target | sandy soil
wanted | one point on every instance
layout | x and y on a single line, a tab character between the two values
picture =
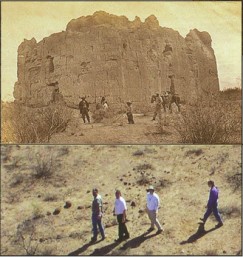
118	131
179	174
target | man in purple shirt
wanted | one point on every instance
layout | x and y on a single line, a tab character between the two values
212	205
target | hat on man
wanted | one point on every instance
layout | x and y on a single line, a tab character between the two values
150	188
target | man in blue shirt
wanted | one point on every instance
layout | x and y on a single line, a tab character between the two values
212	205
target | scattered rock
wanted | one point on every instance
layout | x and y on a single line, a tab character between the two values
121	179
133	204
57	211
80	207
59	237
48	213
140	211
138	153
39	196
41	240
224	251
88	191
68	204
125	183
106	194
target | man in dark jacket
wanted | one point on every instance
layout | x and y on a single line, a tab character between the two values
84	109
212	206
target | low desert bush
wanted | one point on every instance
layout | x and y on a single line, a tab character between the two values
235	181
50	197
22	124
42	165
212	122
211	252
230	211
26	237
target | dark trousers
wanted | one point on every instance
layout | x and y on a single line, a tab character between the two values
84	114
97	222
214	210
130	118
122	228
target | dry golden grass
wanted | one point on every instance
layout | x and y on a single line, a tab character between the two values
179	174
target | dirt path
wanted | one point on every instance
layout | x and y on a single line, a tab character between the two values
118	131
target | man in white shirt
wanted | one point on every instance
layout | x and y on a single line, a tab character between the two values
152	209
120	212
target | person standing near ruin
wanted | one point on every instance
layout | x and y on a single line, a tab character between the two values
152	209
97	216
129	113
212	205
84	109
120	210
158	106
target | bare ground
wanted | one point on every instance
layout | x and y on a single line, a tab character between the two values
179	174
118	131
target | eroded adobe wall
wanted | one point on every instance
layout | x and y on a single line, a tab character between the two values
107	55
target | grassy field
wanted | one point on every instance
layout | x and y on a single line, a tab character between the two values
37	180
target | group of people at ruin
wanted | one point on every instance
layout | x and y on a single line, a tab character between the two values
159	100
152	208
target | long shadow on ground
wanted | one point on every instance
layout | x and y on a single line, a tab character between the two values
200	233
104	250
137	241
82	249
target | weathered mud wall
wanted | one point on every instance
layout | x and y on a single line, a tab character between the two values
107	55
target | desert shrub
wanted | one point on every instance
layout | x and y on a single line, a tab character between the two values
50	197
26	237
145	166
196	152
22	124
17	180
213	122
211	252
235	181
143	179
230	211
42	165
100	114
37	211
138	153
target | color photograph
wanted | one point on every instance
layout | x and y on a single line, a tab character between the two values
121	200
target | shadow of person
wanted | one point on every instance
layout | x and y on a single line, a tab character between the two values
137	241
200	233
105	249
81	249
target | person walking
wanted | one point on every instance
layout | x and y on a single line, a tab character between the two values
84	109
212	205
120	211
158	106
97	215
152	209
129	113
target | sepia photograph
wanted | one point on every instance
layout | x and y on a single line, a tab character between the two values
121	72
121	200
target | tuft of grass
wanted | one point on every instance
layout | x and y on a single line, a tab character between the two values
211	252
230	211
50	197
196	152
138	153
17	180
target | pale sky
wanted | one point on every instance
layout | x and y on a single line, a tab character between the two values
222	20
